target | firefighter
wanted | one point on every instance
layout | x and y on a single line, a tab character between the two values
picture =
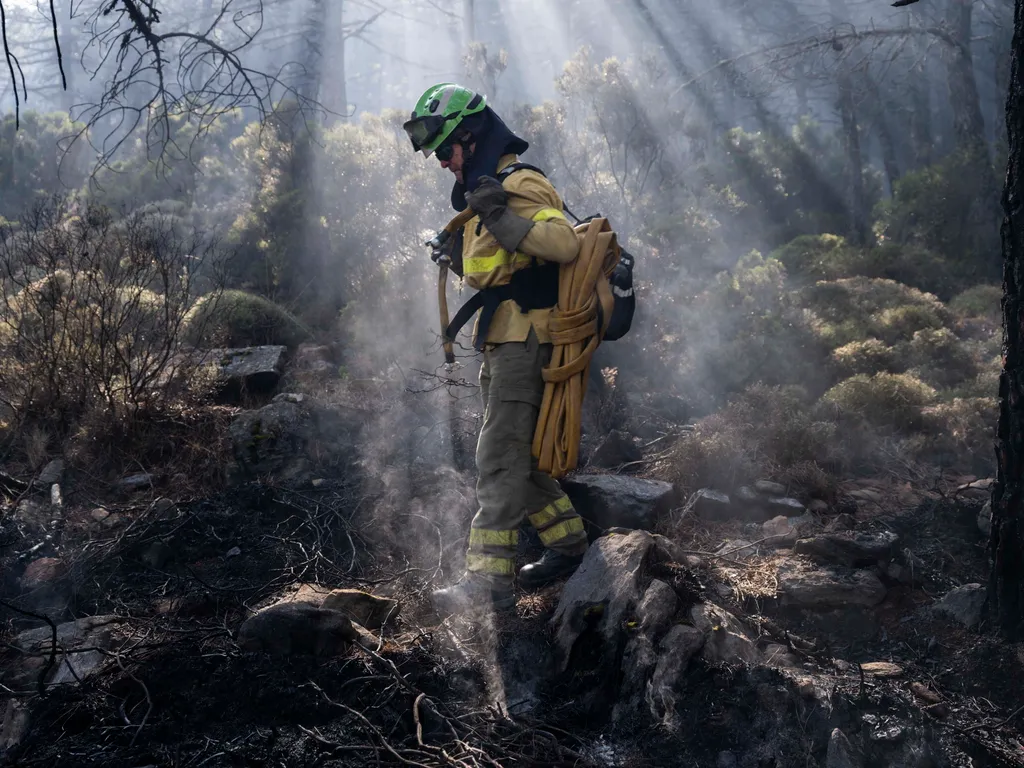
509	252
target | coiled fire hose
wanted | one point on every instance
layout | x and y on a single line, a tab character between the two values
584	296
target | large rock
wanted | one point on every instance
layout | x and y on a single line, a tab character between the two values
964	604
840	752
52	473
609	501
604	592
985	520
617	448
829	587
363	608
657	608
86	639
726	639
288	629
850	548
246	370
287	440
676	650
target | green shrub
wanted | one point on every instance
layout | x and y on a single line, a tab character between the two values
240	319
941	359
902	323
818	257
868	356
859	308
884	400
962	430
762	432
982	301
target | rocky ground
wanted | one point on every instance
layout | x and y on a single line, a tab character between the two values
284	621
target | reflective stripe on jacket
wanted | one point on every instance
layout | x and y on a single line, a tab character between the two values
486	264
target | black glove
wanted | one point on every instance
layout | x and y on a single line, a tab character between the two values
448	252
490	201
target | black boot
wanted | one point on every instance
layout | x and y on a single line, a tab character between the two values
470	594
551	567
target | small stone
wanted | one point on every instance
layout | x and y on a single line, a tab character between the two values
52	473
924	693
769	488
99	514
817	506
317	482
361	607
776	655
135	482
746	495
290	397
786	506
41	572
712	505
163	509
56	497
737	549
965	604
939	711
843	522
985	519
233	552
882	669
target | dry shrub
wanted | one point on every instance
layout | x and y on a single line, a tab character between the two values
239	319
859	308
883	400
963	430
940	359
91	313
764	432
982	301
868	356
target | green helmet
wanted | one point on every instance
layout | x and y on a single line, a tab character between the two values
438	113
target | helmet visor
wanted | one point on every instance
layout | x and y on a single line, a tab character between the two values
423	130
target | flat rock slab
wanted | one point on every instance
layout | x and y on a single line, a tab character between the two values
605	590
829	587
92	632
848	548
246	369
287	440
965	604
610	501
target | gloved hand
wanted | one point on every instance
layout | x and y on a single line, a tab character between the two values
490	201
449	252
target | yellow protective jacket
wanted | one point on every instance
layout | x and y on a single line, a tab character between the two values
485	264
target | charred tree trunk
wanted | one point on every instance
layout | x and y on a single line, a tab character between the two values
1007	587
857	225
468	22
